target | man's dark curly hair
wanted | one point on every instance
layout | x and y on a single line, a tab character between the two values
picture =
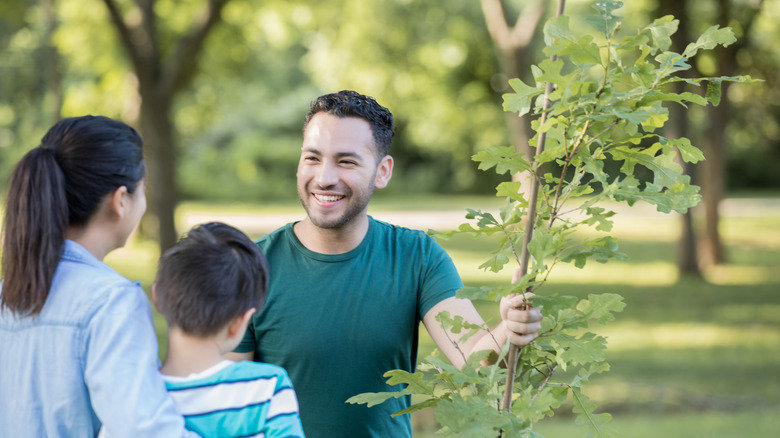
348	103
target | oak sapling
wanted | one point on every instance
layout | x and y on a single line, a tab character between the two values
597	97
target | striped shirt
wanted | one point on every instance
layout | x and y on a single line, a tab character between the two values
238	399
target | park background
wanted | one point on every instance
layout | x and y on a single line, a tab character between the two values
219	89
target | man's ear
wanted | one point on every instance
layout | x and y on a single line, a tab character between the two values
384	172
237	326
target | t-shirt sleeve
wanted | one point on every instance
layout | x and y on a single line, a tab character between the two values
283	416
440	277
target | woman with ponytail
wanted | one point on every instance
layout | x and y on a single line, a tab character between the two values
77	342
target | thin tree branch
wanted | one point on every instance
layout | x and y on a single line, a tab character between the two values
566	168
125	34
137	36
511	244
525	256
179	67
454	344
544	383
567	192
526	24
497	26
147	27
510	38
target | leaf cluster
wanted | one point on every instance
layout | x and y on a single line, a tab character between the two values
467	400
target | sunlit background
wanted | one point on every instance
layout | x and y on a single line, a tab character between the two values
691	355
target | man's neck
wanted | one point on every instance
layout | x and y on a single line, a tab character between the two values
331	240
189	354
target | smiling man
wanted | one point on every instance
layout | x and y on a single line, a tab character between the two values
347	292
337	173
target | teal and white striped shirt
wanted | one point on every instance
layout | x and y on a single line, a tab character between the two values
238	399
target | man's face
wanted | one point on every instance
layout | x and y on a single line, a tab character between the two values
338	170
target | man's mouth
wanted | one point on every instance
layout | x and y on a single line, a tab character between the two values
328	198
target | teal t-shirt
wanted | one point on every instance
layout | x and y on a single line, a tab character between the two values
337	323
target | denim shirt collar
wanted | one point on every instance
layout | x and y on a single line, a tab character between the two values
75	252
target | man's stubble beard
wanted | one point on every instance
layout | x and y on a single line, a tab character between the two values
354	209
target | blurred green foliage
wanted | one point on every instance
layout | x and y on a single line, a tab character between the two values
432	64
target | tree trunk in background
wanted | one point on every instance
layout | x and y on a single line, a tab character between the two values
714	141
714	148
160	78
687	255
714	177
677	127
157	129
513	48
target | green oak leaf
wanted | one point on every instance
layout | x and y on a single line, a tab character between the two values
688	152
584	410
520	101
662	30
714	91
606	22
711	38
601	307
504	158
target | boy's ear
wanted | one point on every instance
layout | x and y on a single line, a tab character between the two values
237	327
154	297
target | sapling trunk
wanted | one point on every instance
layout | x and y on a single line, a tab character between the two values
525	254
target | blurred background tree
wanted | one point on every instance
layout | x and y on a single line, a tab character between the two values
163	42
233	89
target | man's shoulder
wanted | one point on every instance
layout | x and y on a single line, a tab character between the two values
397	231
402	236
278	234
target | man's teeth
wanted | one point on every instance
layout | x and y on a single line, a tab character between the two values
328	198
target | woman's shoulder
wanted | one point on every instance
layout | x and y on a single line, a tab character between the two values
83	286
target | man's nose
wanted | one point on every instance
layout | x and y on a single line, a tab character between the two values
327	175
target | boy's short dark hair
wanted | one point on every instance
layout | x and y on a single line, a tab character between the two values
348	103
212	275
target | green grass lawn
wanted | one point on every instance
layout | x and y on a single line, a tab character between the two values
689	357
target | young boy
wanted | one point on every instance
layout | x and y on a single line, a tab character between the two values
208	287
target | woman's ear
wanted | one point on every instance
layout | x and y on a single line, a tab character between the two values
384	172
118	201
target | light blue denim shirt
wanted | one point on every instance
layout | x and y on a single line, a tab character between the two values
89	357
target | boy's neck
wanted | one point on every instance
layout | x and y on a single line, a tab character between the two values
189	354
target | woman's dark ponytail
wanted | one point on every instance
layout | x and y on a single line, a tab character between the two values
59	184
36	217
